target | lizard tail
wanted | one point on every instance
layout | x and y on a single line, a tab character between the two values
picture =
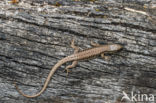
27	95
46	82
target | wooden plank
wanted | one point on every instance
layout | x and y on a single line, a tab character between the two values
35	34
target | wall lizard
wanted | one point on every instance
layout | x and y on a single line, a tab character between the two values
91	52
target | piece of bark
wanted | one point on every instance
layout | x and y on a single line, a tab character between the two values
34	35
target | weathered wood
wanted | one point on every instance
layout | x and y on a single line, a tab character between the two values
34	35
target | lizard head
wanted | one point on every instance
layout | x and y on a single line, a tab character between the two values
115	47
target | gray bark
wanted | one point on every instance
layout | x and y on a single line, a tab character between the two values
34	35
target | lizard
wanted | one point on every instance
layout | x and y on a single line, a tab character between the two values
77	56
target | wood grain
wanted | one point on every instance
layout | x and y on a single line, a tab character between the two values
35	34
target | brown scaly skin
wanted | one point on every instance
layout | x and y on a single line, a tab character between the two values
82	55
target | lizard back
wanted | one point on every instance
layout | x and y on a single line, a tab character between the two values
85	54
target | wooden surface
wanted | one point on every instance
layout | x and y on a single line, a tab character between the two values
34	35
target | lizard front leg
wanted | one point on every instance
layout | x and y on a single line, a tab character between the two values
105	57
74	63
94	44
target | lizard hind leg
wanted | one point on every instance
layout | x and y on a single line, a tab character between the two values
76	49
74	63
71	66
